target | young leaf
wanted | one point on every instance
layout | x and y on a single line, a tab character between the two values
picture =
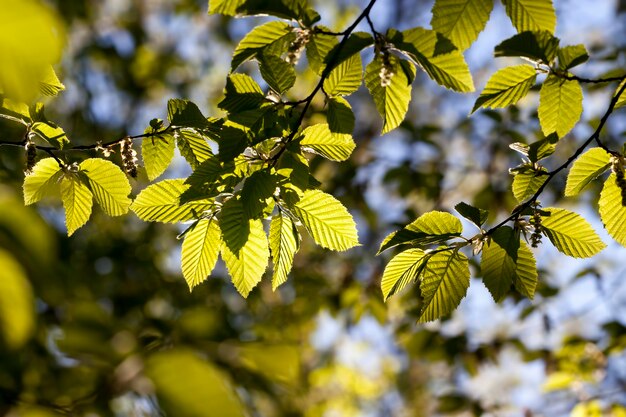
525	279
49	84
612	212
208	172
285	9
476	215
277	73
275	32
444	65
334	146
77	201
340	116
200	250
327	220
461	20
160	202
318	48
445	281
257	190
108	184
357	41
525	184
430	228
247	265
402	269
157	153
284	243
241	93
193	147
570	233
52	133
184	113
234	224
585	169
392	99
560	105
537	46
531	14
571	56
346	78
506	86
42	181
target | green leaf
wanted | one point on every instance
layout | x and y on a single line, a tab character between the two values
570	233
200	250
232	142
526	184
402	269
585	169
241	93
430	228
287	9
357	41
208	172
261	37
571	56
536	46
461	20
476	215
526	278
612	211
295	167
621	101
184	113
108	185
17	304
542	148
531	14
445	281
284	243
157	153
160	202
42	181
234	224
432	52
317	50
77	201
340	116
506	86
247	265
560	105
257	193
346	78
193	147
49	84
327	220
334	146
52	133
392	100
277	73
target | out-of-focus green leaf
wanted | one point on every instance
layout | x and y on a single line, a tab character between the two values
17	304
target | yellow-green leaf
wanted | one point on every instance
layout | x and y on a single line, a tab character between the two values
157	153
259	38
570	233
571	56
445	281
193	147
585	169
160	202
284	243
560	105
277	73
108	185
52	133
334	146
340	116
200	250
506	86
612	211
346	78
461	20
531	14
402	269
526	278
621	101
17	304
327	220
526	184
247	265
42	181
77	201
49	84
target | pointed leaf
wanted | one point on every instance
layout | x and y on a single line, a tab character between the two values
77	201
357	41
259	38
157	153
42	181
621	101
278	74
346	78
160	202
461	20
612	210
445	281
340	116
49	84
571	56
430	228
234	225
247	265
184	113
256	191
499	261
334	146
284	243
560	105
526	278
585	169
526	184
401	270
200	250
241	93
531	14
476	215
570	233
286	9
108	185
193	147
392	99
506	86
317	50
537	46
52	133
327	220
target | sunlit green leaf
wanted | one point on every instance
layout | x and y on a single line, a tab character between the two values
241	93
476	215
401	270
184	113
531	14
277	73
585	169
560	105
160	202
526	277
52	133
200	250
257	190
77	202
108	184
346	78
193	147
334	146
284	240
506	86
259	38
42	181
49	84
317	50
340	116
461	20
621	101
537	46
571	56
157	153
286	9
570	233
357	41
234	224
612	210
526	184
